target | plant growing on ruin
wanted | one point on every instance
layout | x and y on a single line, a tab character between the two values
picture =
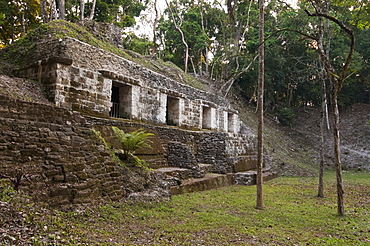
132	141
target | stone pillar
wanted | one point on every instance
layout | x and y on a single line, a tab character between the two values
107	91
181	110
135	98
223	121
162	108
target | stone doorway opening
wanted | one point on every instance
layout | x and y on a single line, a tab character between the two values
230	122
173	111
121	101
207	117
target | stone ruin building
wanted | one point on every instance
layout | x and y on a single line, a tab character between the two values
199	140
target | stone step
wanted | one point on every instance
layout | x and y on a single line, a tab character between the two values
177	172
250	177
156	163
207	168
208	182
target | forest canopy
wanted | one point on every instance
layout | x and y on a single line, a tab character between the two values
219	40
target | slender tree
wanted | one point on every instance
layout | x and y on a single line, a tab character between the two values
82	10
178	28
336	85
261	74
44	12
155	24
92	12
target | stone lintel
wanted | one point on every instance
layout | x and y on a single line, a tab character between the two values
119	77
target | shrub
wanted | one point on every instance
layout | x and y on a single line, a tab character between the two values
286	116
132	141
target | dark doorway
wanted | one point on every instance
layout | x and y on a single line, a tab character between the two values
114	112
173	111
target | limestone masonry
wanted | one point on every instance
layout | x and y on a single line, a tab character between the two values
85	78
92	89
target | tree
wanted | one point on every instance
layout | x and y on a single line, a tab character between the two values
261	74
16	18
336	81
178	23
62	10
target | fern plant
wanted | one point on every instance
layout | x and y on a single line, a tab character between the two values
132	141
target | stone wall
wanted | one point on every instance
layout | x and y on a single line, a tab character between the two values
227	152
62	160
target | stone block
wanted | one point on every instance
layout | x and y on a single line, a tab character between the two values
73	167
71	178
245	163
60	191
81	175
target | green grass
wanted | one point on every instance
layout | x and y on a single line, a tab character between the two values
293	216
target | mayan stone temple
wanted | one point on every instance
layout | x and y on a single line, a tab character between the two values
199	141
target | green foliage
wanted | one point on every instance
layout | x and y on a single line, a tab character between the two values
140	45
99	135
286	116
17	18
137	162
132	141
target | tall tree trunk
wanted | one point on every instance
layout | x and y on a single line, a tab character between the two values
261	74
62	9
337	160
82	10
154	47
92	12
320	43
44	12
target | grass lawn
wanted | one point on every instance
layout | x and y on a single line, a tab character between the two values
227	216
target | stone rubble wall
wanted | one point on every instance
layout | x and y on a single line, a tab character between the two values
58	153
179	155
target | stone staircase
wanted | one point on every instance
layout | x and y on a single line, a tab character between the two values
187	184
178	162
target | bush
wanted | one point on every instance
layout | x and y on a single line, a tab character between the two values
132	141
286	116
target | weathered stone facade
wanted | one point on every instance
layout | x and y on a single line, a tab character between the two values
82	77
